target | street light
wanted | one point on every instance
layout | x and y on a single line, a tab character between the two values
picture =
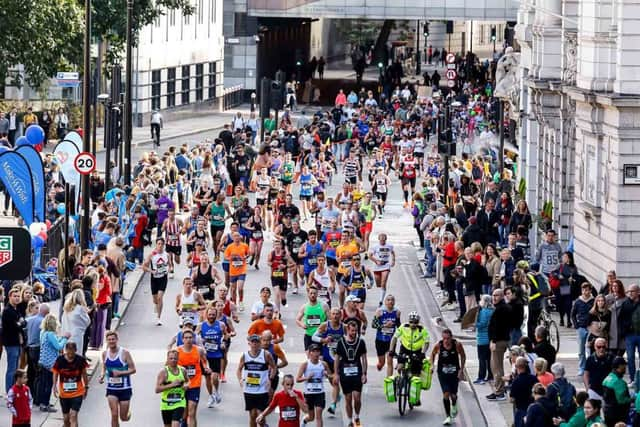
105	100
128	117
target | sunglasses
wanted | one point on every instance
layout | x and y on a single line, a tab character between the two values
601	346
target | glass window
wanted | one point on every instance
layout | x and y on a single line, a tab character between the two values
199	81
185	84
155	89
240	24
212	80
171	87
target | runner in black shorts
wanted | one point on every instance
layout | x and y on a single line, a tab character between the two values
350	364
451	360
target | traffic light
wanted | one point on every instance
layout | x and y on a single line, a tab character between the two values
426	29
493	34
277	95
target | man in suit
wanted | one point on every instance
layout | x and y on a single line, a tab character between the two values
488	221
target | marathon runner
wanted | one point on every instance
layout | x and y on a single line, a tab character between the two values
192	358
289	402
172	228
117	368
255	370
237	253
383	257
213	333
323	279
189	303
328	334
386	320
350	366
312	372
451	360
172	383
157	264
70	382
311	315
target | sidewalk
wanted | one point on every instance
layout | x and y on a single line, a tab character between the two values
500	413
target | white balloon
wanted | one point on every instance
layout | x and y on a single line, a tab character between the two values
36	227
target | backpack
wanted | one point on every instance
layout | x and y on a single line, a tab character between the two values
566	403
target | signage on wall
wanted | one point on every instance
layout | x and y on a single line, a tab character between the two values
631	175
15	253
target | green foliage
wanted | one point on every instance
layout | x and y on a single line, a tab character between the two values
42	35
110	21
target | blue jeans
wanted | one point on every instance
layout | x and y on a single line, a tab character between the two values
428	256
515	334
632	343
13	357
503	232
518	417
582	334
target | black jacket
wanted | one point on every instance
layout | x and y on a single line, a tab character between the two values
541	413
500	323
626	314
471	234
488	224
475	275
545	350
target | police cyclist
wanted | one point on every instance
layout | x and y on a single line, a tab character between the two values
414	342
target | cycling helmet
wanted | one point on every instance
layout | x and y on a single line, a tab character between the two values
414	316
522	264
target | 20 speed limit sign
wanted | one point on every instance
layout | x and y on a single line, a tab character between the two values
85	163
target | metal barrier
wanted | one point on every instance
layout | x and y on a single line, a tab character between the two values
55	242
232	97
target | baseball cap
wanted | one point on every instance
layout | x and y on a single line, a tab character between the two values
315	347
352	298
253	337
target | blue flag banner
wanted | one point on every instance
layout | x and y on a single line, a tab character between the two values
64	154
37	174
16	177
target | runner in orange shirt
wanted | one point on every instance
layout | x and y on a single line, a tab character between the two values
268	323
344	252
192	358
237	253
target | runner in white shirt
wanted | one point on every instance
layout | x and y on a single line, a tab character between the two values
383	257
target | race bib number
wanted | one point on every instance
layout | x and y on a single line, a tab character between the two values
387	331
242	168
449	369
70	386
253	380
191	371
350	371
115	381
289	414
315	385
278	273
211	346
313	320
174	397
312	261
345	264
357	285
237	263
257	234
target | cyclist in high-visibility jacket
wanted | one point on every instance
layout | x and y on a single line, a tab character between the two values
414	343
538	290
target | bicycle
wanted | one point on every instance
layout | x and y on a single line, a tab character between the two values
402	383
550	325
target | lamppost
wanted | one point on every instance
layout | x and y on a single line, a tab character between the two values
86	124
109	122
418	56
128	117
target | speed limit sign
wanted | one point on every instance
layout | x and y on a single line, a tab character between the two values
85	163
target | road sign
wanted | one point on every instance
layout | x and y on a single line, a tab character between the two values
451	66
451	83
85	163
451	74
68	79
451	58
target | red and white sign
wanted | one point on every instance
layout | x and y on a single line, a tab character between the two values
451	58
85	163
451	74
451	83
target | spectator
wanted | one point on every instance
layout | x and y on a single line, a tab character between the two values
599	321
51	346
62	123
606	288
33	344
549	253
12	324
472	233
543	347
499	329
562	392
492	264
75	319
507	267
20	400
103	301
542	411
565	274
538	291
616	394
474	275
615	300
482	340
489	221
520	392
513	297
580	318
630	315
578	419
597	368
521	217
542	373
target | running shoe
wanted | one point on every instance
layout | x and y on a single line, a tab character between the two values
223	378
158	322
218	397
357	422
332	408
454	410
241	307
295	291
479	381
447	421
211	401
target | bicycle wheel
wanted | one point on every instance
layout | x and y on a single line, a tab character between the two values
403	394
554	335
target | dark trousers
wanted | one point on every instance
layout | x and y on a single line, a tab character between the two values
461	302
12	137
449	284
33	355
532	321
45	384
484	362
155	133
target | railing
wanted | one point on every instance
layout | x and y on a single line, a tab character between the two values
232	97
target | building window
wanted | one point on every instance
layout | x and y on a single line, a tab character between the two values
481	34
212	80
240	25
171	87
199	81
591	174
185	84
155	89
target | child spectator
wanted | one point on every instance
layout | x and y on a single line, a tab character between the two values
19	400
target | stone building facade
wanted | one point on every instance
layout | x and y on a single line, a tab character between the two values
580	126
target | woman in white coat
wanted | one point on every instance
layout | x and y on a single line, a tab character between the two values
75	319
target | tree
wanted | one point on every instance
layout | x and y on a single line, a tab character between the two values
42	35
110	20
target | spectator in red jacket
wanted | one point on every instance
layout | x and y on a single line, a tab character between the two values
449	258
137	244
19	400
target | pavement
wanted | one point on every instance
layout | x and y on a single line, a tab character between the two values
500	413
